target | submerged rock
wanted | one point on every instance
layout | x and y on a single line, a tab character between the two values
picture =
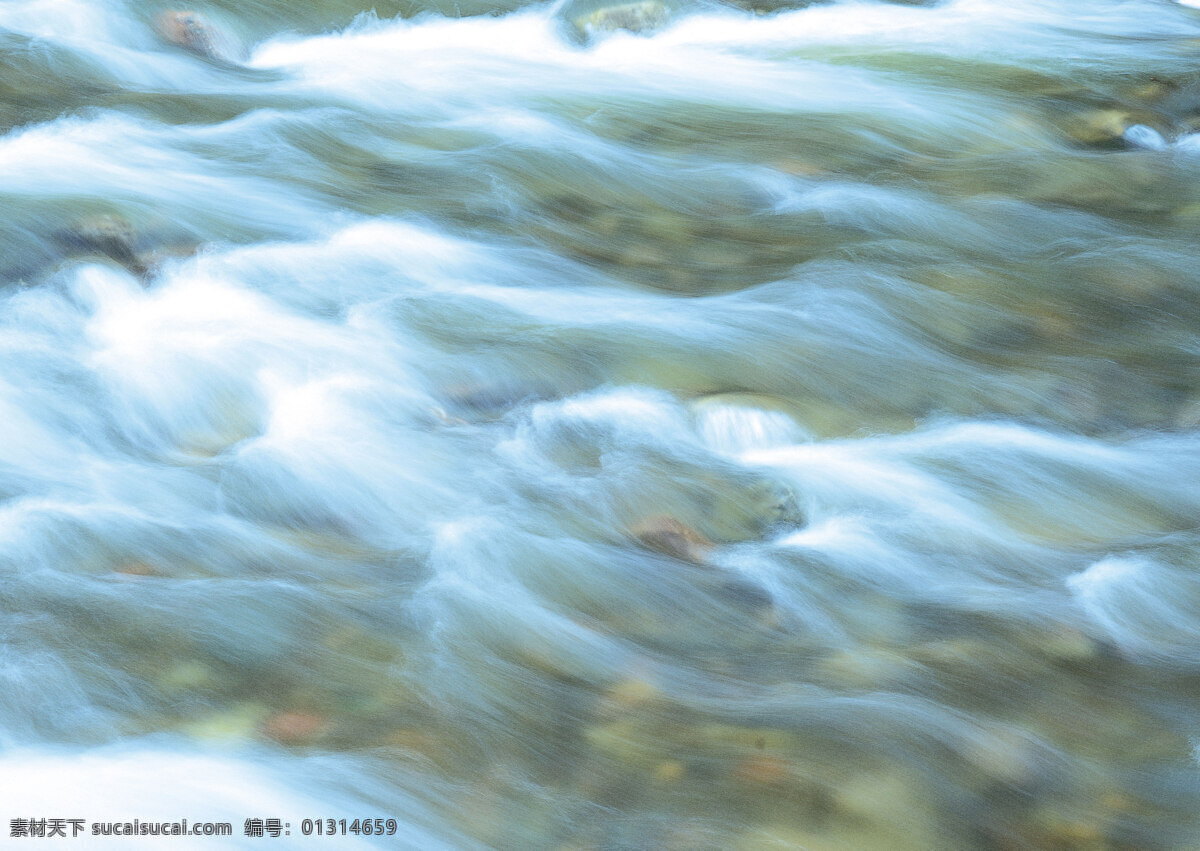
767	7
115	237
294	728
1152	89
108	235
1187	416
670	771
187	677
1099	126
865	668
1065	645
1112	127
481	401
632	692
234	724
626	743
668	536
762	770
136	568
875	807
748	597
1048	827
1005	755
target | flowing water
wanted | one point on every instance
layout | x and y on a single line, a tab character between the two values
677	426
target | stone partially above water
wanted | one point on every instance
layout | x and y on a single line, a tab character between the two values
586	19
634	17
191	31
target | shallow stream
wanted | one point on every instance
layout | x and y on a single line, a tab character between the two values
671	426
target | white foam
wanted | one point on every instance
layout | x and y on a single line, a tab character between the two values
1145	137
852	477
113	157
66	20
1189	144
630	414
1143	606
151	783
438	66
734	429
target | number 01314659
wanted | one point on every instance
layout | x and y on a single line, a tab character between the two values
341	827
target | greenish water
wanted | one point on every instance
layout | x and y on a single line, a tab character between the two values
772	428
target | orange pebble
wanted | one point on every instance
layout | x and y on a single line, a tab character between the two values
293	728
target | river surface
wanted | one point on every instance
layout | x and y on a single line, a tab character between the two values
678	426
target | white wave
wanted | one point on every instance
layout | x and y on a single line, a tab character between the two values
733	428
1146	608
151	782
482	62
145	165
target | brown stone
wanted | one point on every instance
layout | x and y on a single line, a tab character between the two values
293	728
668	536
190	31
